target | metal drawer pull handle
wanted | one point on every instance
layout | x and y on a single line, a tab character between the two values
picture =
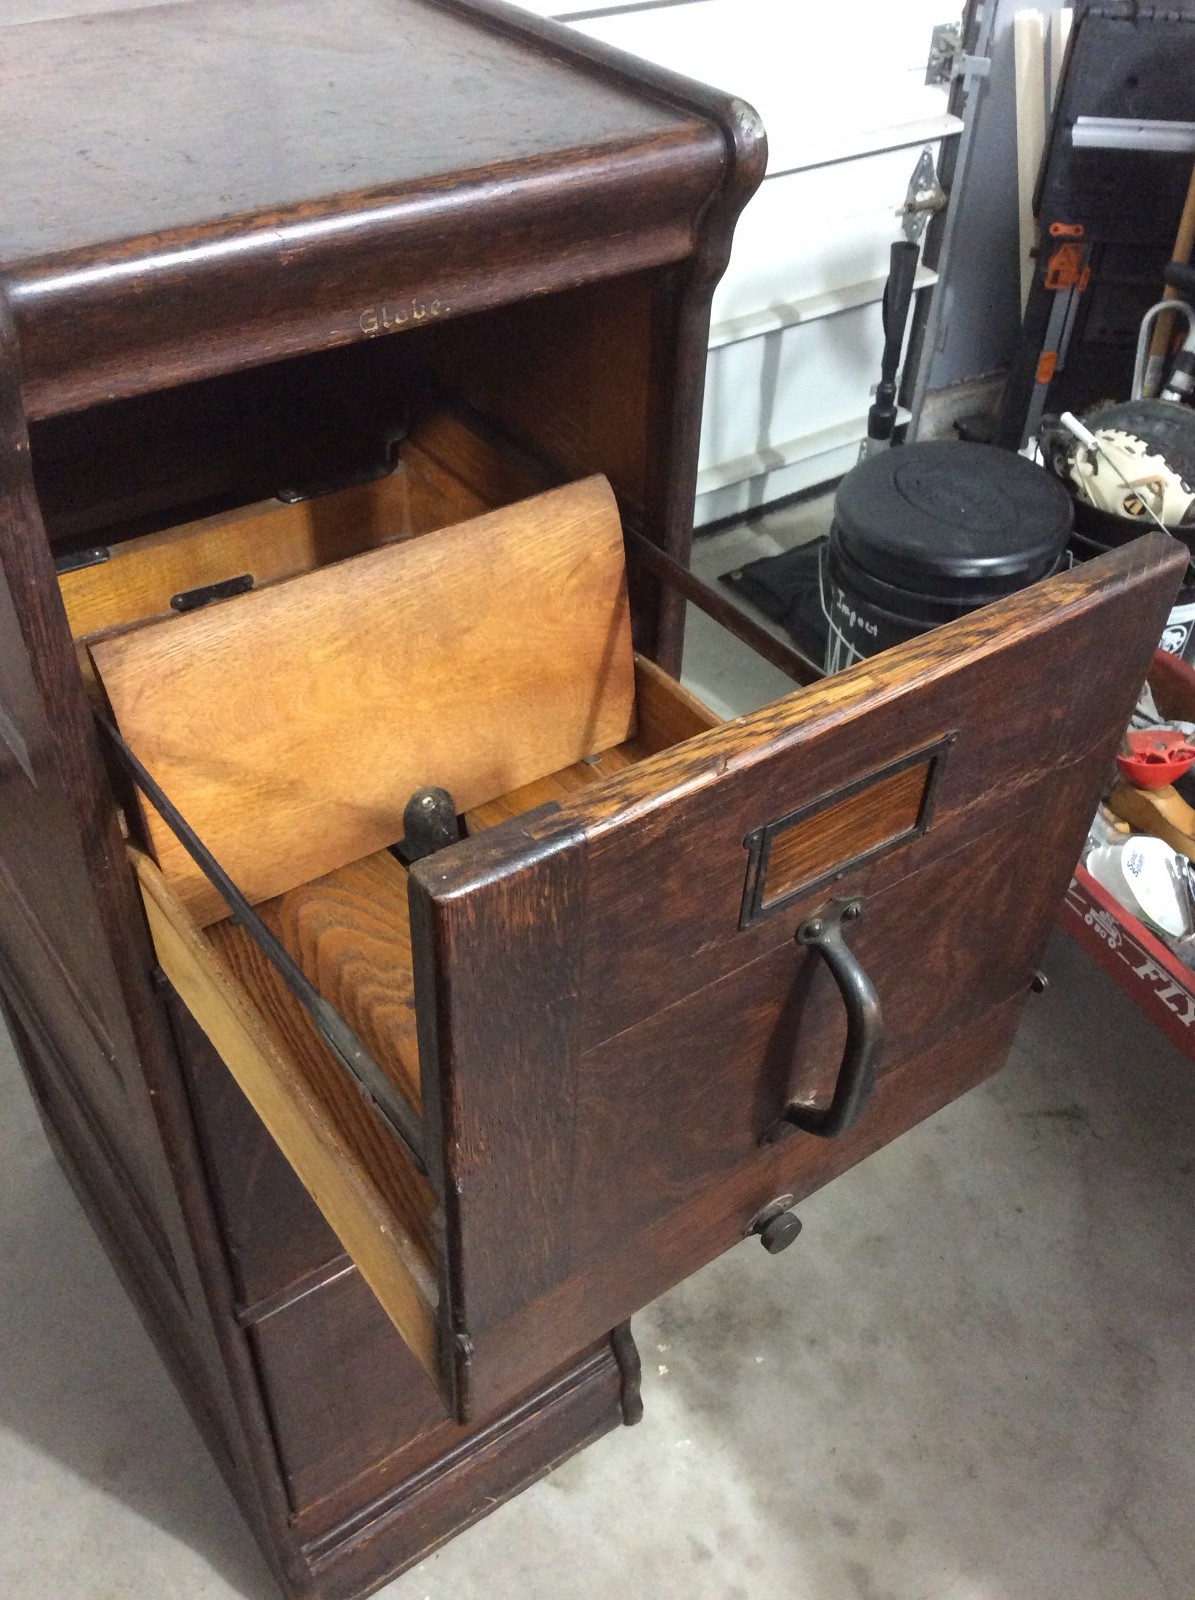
864	1024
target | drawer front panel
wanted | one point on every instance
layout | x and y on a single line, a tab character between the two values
579	1103
344	1392
357	1424
670	874
716	1069
713	1217
274	1232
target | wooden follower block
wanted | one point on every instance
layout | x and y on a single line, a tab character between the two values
291	725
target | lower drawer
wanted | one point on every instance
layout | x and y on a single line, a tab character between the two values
354	1419
361	1432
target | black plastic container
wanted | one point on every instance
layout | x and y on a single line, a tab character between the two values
927	533
1098	531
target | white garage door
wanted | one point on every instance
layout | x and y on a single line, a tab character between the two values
796	337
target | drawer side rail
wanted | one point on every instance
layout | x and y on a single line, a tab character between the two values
372	1083
794	663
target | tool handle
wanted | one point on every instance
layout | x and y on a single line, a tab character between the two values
1179	278
898	297
1184	243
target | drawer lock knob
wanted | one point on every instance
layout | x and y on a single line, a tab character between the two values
776	1225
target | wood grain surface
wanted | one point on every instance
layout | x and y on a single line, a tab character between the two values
350	929
678	1035
668	713
350	932
464	213
290	726
399	141
368	1192
268	542
322	122
713	1217
446	473
806	850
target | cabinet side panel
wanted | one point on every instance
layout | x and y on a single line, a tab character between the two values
75	968
53	813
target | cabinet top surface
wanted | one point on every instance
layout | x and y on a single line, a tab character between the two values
133	124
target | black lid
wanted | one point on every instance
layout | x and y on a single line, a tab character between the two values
952	518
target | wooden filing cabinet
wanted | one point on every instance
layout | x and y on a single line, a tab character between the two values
369	290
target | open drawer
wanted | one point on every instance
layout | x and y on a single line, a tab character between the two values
675	975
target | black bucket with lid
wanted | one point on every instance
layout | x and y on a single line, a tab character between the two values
927	533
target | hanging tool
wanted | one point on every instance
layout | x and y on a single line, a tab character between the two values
1184	243
1068	272
1179	384
924	197
898	297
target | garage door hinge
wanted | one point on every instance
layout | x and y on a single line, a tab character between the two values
947	58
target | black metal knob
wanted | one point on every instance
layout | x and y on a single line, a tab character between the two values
778	1234
430	823
776	1225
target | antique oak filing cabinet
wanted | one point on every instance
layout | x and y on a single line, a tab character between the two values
347	280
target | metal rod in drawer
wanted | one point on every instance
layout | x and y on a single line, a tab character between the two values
787	658
373	1084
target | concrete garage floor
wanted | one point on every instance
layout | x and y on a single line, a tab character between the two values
972	1378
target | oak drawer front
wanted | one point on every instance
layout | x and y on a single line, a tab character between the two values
697	1091
604	1033
715	1216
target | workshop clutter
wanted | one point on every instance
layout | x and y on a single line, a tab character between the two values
1141	847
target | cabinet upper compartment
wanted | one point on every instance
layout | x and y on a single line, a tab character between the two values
194	188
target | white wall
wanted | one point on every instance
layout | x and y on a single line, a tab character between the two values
797	336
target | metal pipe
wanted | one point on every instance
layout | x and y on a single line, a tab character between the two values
1133	133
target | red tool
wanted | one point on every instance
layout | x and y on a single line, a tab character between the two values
1156	757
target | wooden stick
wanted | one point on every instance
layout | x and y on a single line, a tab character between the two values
1030	62
1159	345
1060	32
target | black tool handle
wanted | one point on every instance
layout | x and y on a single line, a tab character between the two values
1178	275
898	297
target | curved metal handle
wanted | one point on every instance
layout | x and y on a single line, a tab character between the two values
864	1024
